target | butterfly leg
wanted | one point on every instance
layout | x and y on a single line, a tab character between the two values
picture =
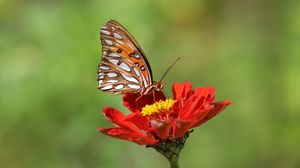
138	97
153	95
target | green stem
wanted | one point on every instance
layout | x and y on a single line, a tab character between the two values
174	161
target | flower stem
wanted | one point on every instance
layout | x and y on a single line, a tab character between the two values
174	161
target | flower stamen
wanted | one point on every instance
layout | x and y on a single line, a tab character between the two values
158	107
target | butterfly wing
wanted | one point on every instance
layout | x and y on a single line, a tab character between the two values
124	67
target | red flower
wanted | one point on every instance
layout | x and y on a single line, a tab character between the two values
157	119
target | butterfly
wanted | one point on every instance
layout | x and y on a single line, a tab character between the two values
124	67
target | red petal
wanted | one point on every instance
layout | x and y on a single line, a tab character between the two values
120	133
207	92
129	135
118	119
196	102
217	107
189	106
146	140
135	102
139	121
183	125
182	91
162	128
113	115
199	114
181	128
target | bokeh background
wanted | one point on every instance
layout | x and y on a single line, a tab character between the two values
50	107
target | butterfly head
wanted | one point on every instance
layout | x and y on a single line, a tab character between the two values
158	86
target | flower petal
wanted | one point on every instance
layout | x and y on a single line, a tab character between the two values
207	92
181	128
217	107
183	125
120	133
189	106
196	102
146	140
113	115
129	135
116	117
135	102
199	114
138	120
162	128
182	91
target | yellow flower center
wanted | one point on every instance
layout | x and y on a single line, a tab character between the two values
158	107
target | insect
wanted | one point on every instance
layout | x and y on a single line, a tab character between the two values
124	67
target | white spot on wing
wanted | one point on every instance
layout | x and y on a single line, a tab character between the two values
124	66
145	81
105	32
121	42
112	81
112	74
113	55
108	42
103	67
107	87
129	78
118	36
120	86
114	61
134	86
137	56
137	72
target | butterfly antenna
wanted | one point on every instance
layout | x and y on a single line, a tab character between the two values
169	68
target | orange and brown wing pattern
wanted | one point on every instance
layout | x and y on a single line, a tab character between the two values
124	67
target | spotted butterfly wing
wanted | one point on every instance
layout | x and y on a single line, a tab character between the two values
124	67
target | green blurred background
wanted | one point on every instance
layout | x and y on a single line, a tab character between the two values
50	107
